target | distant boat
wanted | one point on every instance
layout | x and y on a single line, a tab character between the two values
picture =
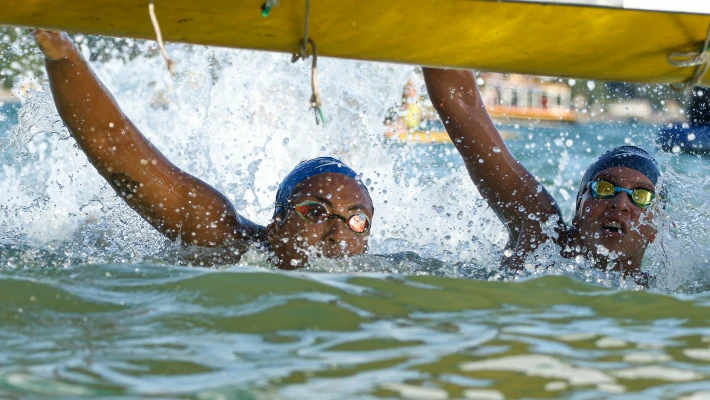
507	97
7	97
433	131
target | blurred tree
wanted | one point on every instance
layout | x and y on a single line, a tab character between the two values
20	58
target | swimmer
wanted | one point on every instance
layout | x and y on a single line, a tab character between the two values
321	207
615	205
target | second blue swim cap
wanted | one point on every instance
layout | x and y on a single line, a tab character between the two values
307	169
624	156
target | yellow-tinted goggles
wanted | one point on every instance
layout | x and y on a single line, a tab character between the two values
603	190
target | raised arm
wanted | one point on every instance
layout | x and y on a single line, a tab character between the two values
174	202
508	187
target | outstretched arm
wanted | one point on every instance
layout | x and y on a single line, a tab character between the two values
174	202
508	187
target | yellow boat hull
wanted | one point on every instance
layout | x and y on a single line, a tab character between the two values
553	40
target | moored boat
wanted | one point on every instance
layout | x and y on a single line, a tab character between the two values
505	36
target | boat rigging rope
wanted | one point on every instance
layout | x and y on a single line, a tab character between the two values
303	54
699	59
169	62
315	96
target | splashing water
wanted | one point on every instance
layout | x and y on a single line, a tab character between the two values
240	121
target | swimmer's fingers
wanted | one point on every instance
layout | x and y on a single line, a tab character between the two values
55	45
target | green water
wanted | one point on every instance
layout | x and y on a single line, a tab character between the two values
118	330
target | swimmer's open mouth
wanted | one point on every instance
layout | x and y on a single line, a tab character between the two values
613	227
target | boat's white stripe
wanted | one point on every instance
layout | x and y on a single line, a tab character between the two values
683	6
692	6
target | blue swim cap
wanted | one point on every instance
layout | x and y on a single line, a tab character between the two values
624	156
307	169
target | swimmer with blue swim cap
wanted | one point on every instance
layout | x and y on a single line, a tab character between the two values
321	205
615	205
322	208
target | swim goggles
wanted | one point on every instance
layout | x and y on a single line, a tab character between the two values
601	189
316	212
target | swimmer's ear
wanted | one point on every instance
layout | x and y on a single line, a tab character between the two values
652	237
577	217
578	205
653	224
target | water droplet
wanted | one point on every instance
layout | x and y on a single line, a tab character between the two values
285	142
496	149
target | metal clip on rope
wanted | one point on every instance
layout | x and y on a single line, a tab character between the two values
303	54
315	96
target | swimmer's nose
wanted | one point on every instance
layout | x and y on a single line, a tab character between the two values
620	202
335	230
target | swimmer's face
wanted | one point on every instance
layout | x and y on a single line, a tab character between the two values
616	223
410	91
293	239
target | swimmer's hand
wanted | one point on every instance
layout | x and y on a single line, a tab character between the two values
55	45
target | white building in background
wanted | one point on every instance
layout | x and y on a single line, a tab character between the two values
526	97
